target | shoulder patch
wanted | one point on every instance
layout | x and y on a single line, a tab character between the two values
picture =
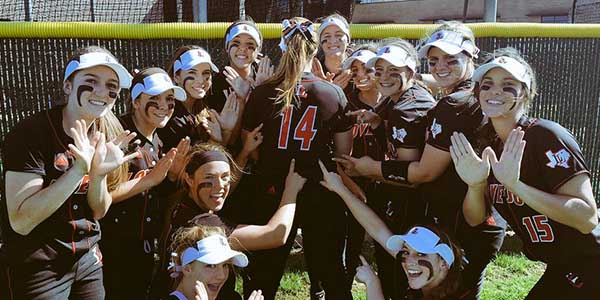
558	159
435	128
399	134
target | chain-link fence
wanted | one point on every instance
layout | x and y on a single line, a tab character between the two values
157	11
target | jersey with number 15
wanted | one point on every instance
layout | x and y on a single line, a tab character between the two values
551	158
303	131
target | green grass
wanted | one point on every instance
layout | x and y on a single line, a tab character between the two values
509	277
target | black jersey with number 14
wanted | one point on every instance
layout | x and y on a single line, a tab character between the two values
303	130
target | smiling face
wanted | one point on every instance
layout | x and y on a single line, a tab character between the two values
333	41
154	110
364	78
196	81
93	91
449	70
392	81
213	276
210	185
424	271
501	95
242	51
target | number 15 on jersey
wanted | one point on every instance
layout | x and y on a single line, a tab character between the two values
305	129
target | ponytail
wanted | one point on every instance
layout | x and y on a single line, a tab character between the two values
299	43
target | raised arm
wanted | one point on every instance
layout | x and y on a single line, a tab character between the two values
573	202
474	171
276	231
29	203
363	214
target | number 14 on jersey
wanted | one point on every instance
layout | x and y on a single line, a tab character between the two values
305	130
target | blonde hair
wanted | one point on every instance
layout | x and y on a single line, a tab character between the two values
291	66
109	124
186	237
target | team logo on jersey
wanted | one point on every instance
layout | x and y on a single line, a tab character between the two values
435	128
501	195
61	162
271	190
574	280
360	130
560	158
399	134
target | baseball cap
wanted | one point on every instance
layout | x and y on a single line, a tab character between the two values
450	42
334	21
240	29
93	59
395	56
213	250
155	81
360	55
192	57
422	240
509	64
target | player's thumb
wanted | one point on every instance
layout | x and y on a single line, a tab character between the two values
490	156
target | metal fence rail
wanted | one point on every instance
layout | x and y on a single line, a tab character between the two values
567	69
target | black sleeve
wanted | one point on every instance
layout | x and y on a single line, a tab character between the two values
22	150
250	118
402	134
558	155
216	98
343	122
443	122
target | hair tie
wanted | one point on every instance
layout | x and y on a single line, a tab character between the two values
290	27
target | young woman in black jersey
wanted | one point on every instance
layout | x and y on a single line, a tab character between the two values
429	259
208	176
60	167
401	118
367	141
243	42
191	68
203	259
302	117
540	184
132	225
451	51
334	40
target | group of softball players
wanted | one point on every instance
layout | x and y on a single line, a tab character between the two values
336	139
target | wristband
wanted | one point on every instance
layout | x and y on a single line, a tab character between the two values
395	170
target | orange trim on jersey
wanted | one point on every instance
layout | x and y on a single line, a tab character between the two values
10	291
74	228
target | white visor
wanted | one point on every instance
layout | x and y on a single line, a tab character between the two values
510	65
93	59
421	240
156	84
395	56
193	57
213	250
360	55
334	21
240	29
450	42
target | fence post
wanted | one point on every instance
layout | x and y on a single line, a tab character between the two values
28	10
200	8
490	11
92	10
